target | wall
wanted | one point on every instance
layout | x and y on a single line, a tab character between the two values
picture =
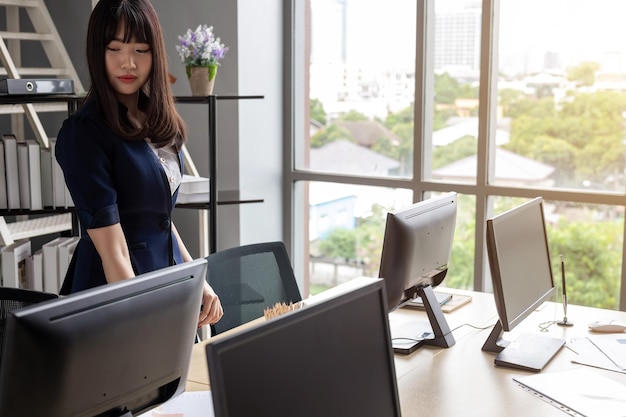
249	131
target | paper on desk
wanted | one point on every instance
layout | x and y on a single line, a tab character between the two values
579	391
613	346
187	404
589	354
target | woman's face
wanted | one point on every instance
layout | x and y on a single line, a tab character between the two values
128	67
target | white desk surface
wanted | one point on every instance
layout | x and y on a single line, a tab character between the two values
462	380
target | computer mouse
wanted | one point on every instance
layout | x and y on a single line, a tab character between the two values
607	326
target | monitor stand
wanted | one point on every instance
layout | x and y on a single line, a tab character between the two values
495	343
530	352
437	334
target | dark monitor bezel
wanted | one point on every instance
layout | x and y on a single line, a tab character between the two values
496	248
118	349
408	245
281	370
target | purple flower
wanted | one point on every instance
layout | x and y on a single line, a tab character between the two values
200	47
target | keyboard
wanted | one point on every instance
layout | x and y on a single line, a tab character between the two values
530	352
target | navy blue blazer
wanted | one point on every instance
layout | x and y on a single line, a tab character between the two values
114	180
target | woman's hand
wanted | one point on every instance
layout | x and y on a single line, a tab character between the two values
211	307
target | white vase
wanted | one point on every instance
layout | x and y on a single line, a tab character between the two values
200	80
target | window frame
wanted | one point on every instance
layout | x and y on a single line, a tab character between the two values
295	200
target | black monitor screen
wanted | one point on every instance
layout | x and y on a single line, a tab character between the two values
417	247
520	264
118	349
331	358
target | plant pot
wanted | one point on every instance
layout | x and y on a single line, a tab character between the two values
201	80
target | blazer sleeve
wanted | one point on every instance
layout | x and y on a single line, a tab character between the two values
84	150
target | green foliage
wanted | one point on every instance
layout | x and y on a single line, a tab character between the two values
583	139
330	134
404	116
448	89
461	269
353	116
584	73
317	111
592	253
459	149
340	243
441	117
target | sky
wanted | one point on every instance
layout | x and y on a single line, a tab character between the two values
383	31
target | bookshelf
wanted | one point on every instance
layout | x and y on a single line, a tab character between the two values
50	219
221	197
42	208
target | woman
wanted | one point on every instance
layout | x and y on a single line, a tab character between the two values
120	155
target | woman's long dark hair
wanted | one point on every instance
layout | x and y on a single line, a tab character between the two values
163	124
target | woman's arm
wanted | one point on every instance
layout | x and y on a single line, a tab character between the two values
113	250
212	310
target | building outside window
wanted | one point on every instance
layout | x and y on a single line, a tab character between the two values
400	107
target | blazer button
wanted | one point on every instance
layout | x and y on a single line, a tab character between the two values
165	224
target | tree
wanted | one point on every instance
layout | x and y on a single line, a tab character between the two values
583	139
353	116
584	73
339	243
446	88
317	111
593	255
459	149
330	134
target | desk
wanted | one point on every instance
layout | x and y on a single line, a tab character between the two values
462	380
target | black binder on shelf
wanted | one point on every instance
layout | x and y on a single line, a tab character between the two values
34	86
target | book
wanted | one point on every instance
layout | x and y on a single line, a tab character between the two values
441	297
65	252
34	271
191	184
3	180
46	177
14	264
58	180
11	171
5	234
184	198
457	300
50	264
22	172
448	301
29	169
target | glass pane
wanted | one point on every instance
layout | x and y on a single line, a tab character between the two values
346	230
361	88
561	94
456	82
461	268
590	239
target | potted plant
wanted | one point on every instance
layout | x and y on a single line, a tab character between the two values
201	52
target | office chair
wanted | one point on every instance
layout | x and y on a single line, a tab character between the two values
12	299
249	279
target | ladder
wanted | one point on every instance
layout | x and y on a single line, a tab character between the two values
60	64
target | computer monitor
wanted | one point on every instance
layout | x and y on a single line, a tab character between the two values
331	358
115	350
520	265
415	257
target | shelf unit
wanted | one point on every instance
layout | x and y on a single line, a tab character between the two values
57	219
222	197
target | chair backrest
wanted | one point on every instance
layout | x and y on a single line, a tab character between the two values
250	278
12	299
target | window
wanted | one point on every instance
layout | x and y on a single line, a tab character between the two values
400	105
